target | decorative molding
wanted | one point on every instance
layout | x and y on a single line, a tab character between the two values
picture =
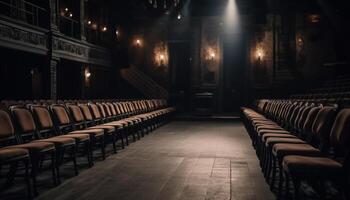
18	37
80	51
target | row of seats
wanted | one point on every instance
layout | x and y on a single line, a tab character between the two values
333	90
33	133
301	141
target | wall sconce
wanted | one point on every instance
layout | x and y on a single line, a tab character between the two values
300	41
259	54
87	74
104	29
212	55
89	22
138	42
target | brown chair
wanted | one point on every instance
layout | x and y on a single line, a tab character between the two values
27	125
37	150
12	157
66	126
79	119
46	126
335	168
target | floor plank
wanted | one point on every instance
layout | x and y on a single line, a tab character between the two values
182	160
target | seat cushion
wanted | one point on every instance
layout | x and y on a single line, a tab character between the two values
77	137
10	154
271	141
59	141
281	150
91	132
306	165
267	131
116	124
266	127
35	146
108	129
279	135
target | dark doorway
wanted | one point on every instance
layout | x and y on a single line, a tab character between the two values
180	72
233	72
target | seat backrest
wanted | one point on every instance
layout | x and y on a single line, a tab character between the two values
309	120
24	122
340	133
102	110
86	111
60	115
322	125
112	109
76	113
43	117
95	111
302	117
24	119
7	131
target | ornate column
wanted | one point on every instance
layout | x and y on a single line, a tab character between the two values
82	20
54	15
53	77
53	60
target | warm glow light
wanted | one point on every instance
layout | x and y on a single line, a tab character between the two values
87	74
94	26
259	54
104	29
212	55
117	32
66	9
70	15
179	16
161	57
138	42
89	22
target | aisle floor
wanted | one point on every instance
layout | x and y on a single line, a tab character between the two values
181	160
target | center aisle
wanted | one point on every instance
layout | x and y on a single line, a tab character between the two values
181	160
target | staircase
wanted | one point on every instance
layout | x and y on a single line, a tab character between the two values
144	83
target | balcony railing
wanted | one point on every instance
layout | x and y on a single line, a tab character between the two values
26	12
70	27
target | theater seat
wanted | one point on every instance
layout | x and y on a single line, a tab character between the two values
281	150
11	154
59	141
311	165
35	147
91	132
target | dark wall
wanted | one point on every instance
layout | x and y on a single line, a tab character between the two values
23	76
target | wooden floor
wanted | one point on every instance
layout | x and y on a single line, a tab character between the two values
182	160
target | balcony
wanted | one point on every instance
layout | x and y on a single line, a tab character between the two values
70	27
25	11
